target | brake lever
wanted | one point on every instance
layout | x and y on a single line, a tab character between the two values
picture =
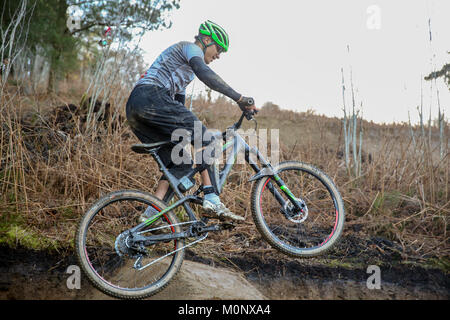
249	114
256	124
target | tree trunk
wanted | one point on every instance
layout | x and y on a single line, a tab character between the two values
51	80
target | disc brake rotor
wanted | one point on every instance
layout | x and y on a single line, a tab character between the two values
293	214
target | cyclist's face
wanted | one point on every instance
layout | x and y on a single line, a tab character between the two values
212	53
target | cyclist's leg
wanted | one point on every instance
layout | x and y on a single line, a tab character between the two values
154	111
152	119
153	116
211	201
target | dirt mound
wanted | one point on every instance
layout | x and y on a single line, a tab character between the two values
201	282
40	276
196	281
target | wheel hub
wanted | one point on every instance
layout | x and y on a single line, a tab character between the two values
293	214
123	247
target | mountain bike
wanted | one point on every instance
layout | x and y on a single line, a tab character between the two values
296	208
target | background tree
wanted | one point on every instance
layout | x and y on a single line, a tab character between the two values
131	17
55	50
46	37
444	72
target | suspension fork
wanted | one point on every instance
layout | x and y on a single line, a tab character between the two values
274	177
297	204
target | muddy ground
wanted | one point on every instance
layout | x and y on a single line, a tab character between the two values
26	274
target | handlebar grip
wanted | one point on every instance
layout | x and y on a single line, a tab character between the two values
247	102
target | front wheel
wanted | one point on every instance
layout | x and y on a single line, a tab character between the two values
304	232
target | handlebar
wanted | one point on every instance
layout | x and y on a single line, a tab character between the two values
247	114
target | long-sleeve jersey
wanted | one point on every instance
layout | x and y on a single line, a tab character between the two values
176	66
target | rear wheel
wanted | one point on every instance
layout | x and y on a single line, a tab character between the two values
300	233
107	255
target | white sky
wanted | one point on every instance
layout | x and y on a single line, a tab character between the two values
290	52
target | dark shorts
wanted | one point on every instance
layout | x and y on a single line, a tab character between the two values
153	115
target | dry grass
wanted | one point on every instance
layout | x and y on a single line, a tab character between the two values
50	172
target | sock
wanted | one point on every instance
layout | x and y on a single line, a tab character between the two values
210	195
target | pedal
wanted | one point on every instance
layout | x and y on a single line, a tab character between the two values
205	219
209	215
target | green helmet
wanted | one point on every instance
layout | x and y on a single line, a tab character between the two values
216	32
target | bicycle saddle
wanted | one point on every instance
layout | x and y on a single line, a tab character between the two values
148	147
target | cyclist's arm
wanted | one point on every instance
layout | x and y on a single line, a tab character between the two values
180	98
211	79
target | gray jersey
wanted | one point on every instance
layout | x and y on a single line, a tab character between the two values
171	70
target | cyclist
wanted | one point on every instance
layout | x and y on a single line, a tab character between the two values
156	108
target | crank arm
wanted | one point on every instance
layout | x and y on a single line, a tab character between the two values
216	227
149	240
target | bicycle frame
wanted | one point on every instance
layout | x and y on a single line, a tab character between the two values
238	143
198	229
